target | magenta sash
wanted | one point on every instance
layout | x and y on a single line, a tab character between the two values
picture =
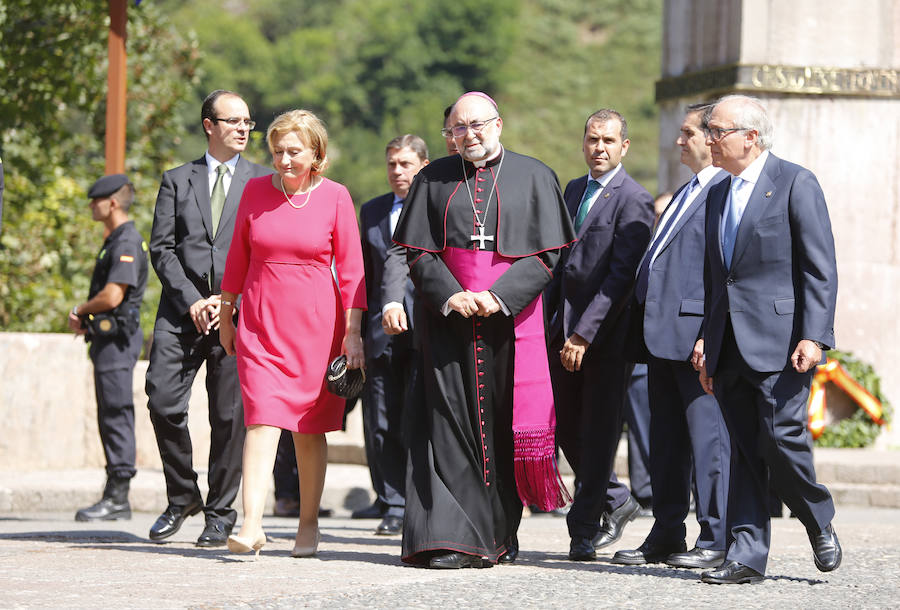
534	419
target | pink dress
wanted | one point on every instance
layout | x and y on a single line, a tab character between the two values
291	320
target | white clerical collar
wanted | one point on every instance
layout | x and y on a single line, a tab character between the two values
605	178
483	162
212	163
751	172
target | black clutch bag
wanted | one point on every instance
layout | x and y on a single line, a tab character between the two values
342	381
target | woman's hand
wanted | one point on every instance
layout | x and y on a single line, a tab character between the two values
224	318
352	346
353	349
226	334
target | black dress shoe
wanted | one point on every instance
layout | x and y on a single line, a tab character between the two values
826	549
112	505
512	551
697	558
375	511
455	561
648	552
170	521
614	523
107	509
215	533
732	573
581	549
390	526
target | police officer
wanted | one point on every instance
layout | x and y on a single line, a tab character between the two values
110	321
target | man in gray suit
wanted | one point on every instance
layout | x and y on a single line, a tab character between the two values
771	290
189	241
390	360
685	422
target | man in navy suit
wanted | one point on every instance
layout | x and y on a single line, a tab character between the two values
390	360
685	422
192	227
771	290
613	215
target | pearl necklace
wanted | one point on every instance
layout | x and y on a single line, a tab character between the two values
288	199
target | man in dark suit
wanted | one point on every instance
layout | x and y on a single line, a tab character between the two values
685	422
390	360
592	281
771	290
189	241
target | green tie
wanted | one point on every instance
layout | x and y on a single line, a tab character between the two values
217	199
584	208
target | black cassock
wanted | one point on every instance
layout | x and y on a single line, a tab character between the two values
461	489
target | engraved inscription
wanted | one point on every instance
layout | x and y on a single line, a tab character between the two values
807	80
825	80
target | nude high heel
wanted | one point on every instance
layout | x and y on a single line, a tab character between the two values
240	544
307	551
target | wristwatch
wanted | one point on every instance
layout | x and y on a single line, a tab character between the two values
821	346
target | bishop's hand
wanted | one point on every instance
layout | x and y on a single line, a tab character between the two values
463	303
487	303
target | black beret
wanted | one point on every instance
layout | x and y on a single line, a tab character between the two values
107	185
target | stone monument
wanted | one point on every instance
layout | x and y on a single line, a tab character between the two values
829	74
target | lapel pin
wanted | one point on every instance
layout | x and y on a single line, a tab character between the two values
606	195
768	193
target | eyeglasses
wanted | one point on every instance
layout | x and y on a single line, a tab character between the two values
234	122
717	133
458	131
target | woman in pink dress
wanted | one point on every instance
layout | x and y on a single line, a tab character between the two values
294	319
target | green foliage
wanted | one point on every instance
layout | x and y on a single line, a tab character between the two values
373	69
52	93
51	62
572	58
858	430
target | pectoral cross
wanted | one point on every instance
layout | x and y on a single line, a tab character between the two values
481	237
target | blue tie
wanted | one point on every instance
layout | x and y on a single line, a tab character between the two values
584	207
643	277
732	222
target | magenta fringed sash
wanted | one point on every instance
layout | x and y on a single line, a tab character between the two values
534	419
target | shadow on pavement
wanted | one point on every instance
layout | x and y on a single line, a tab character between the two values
86	535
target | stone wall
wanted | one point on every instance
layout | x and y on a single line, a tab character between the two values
49	411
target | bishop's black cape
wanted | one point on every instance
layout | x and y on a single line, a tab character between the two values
461	490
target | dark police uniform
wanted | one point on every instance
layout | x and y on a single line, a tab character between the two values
122	260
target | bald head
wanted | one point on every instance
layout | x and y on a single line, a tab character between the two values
476	110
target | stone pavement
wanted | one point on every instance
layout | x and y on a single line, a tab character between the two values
47	560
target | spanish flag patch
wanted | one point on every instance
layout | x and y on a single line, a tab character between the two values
125	258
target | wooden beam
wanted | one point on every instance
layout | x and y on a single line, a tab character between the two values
116	88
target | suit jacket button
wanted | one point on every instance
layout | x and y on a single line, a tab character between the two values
205	276
729	281
215	248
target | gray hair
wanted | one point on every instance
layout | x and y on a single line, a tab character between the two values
751	114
